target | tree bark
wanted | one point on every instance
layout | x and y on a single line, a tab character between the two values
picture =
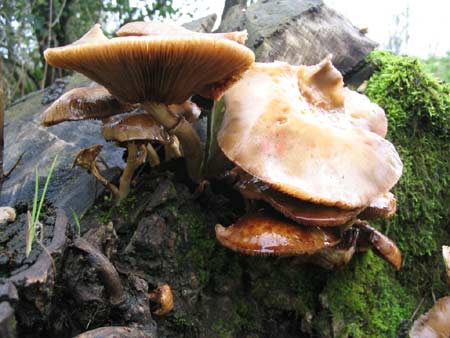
231	3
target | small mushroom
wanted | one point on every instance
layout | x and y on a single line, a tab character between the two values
262	233
371	237
435	323
289	126
86	158
158	70
164	297
83	104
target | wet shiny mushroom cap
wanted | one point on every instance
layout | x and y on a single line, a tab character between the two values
135	126
263	233
302	212
165	68
84	103
304	142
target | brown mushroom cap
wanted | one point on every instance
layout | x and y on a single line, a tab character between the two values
135	126
84	104
261	233
161	68
85	158
302	212
383	206
164	296
435	323
300	147
153	28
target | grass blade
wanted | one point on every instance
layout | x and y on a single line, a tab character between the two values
41	202
77	221
36	196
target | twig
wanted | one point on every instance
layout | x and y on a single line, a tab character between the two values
58	16
105	270
417	309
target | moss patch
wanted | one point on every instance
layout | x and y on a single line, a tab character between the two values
368	297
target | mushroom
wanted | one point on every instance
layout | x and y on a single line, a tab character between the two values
435	323
158	70
289	127
263	233
86	158
301	142
83	104
164	297
122	123
146	28
134	131
302	212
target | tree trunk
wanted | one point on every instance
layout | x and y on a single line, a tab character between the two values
231	3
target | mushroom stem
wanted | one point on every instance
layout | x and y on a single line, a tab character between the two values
152	156
134	160
188	137
96	173
172	149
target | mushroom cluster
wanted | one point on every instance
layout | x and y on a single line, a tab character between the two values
145	76
312	162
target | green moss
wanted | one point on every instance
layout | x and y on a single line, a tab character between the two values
367	300
367	296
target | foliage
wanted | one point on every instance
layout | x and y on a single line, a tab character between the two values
368	297
25	33
438	66
33	221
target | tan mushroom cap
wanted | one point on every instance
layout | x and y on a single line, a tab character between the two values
152	28
161	68
435	323
261	233
299	144
84	104
135	126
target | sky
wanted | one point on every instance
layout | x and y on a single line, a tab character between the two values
429	21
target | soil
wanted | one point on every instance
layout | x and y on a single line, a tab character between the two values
13	240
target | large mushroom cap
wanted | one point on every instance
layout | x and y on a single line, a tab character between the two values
261	233
305	145
135	126
83	104
165	68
